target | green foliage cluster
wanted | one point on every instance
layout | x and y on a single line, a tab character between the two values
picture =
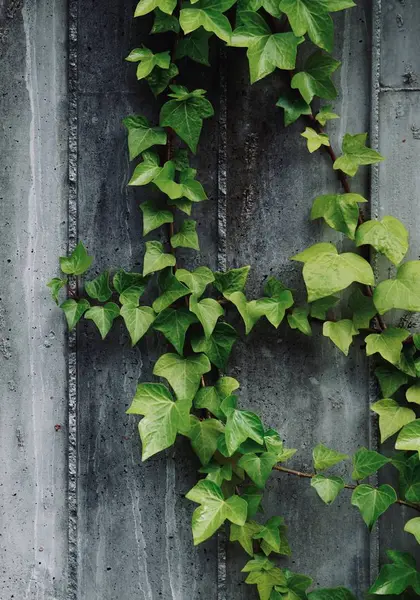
193	398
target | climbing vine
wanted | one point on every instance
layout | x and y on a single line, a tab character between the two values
238	453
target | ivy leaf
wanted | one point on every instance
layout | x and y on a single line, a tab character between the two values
258	467
244	534
294	107
214	509
363	309
147	170
186	236
315	140
315	79
241	425
78	262
99	288
141	136
183	374
172	290
217	473
231	281
218	346
137	319
195	46
174	323
207	311
388	344
204	436
197	280
155	258
320	308
326	114
103	317
402	292
250	312
324	457
209	15
388	236
390	380
355	154
311	17
154	216
273	536
392	417
326	272
210	397
163	417
55	286
279	300
264	575
274	445
266	51
373	502
298	319
164	22
341	333
130	286
327	488
148	61
146	6
252	495
159	79
409	469
394	578
338	593
296	585
74	311
340	211
409	437
413	394
413	526
366	462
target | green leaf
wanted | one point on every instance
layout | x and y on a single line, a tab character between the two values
366	462
204	436
155	258
217	473
174	323
214	509
209	15
274	445
394	578
388	236
341	333
340	211
294	107
326	272
409	437
210	397
183	374
185	113
273	536
147	170
373	502
146	6
413	394
315	79
244	534
327	488
148	61
392	417
319	309
154	216
298	319
231	281
197	280
195	46
99	288
250	312
130	286
159	79
388	344
279	300
264	575
311	17
241	425
252	495
137	319
186	236
172	290
324	457
338	593
74	310
207	311
402	292
218	346
141	136
355	154
315	140
164	22
326	114
390	380
258	467
363	309
78	262
103	317
55	286
163	417
266	51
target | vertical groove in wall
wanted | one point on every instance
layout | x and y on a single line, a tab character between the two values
72	338
374	213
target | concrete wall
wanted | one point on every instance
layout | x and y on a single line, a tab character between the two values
80	517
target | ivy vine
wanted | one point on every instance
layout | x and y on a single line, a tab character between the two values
237	451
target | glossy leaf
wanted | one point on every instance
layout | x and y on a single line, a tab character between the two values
183	374
315	79
324	457
298	319
208	311
74	311
186	237
258	467
154	216
366	462
78	262
204	436
231	281
340	211
356	154
373	502
197	280
218	345
155	259
137	319
103	317
99	288
130	286
195	46
55	286
314	139
209	15
294	107
174	324
388	236
327	488
171	290
142	136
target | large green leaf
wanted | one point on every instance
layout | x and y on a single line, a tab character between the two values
327	488
209	15
315	79
258	467
218	345
147	170
366	462
155	258
392	417
78	262
402	292
324	457
341	333
388	344
409	437
154	216
171	290
208	311
355	154
241	425
103	317
388	236
142	136
394	578
373	502
137	319
204	436
74	310
174	323
214	509
197	280
183	374
340	211
98	288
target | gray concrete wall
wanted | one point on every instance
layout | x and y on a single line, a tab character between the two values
80	517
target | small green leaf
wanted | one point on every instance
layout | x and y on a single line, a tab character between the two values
164	22
55	286
103	317
326	114
217	473
315	140
341	333
392	417
146	6
183	374
204	436
154	217
413	526
366	462
394	578
148	61
373	502
174	323
74	310
137	319
327	488
155	258
241	425
244	534
274	445
209	15
197	280
298	319
340	211
363	309
208	398
252	495
294	107
388	236
78	262
218	346
324	457
413	394
195	46
159	79
274	308
171	290
403	292
130	286
264	575
141	136
388	344
355	154
231	281
250	312
99	288
186	236
409	437
390	380
315	79
258	467
207	311
319	309
147	170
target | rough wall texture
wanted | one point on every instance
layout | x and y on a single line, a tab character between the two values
80	517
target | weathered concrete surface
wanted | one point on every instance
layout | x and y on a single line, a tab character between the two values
33	148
